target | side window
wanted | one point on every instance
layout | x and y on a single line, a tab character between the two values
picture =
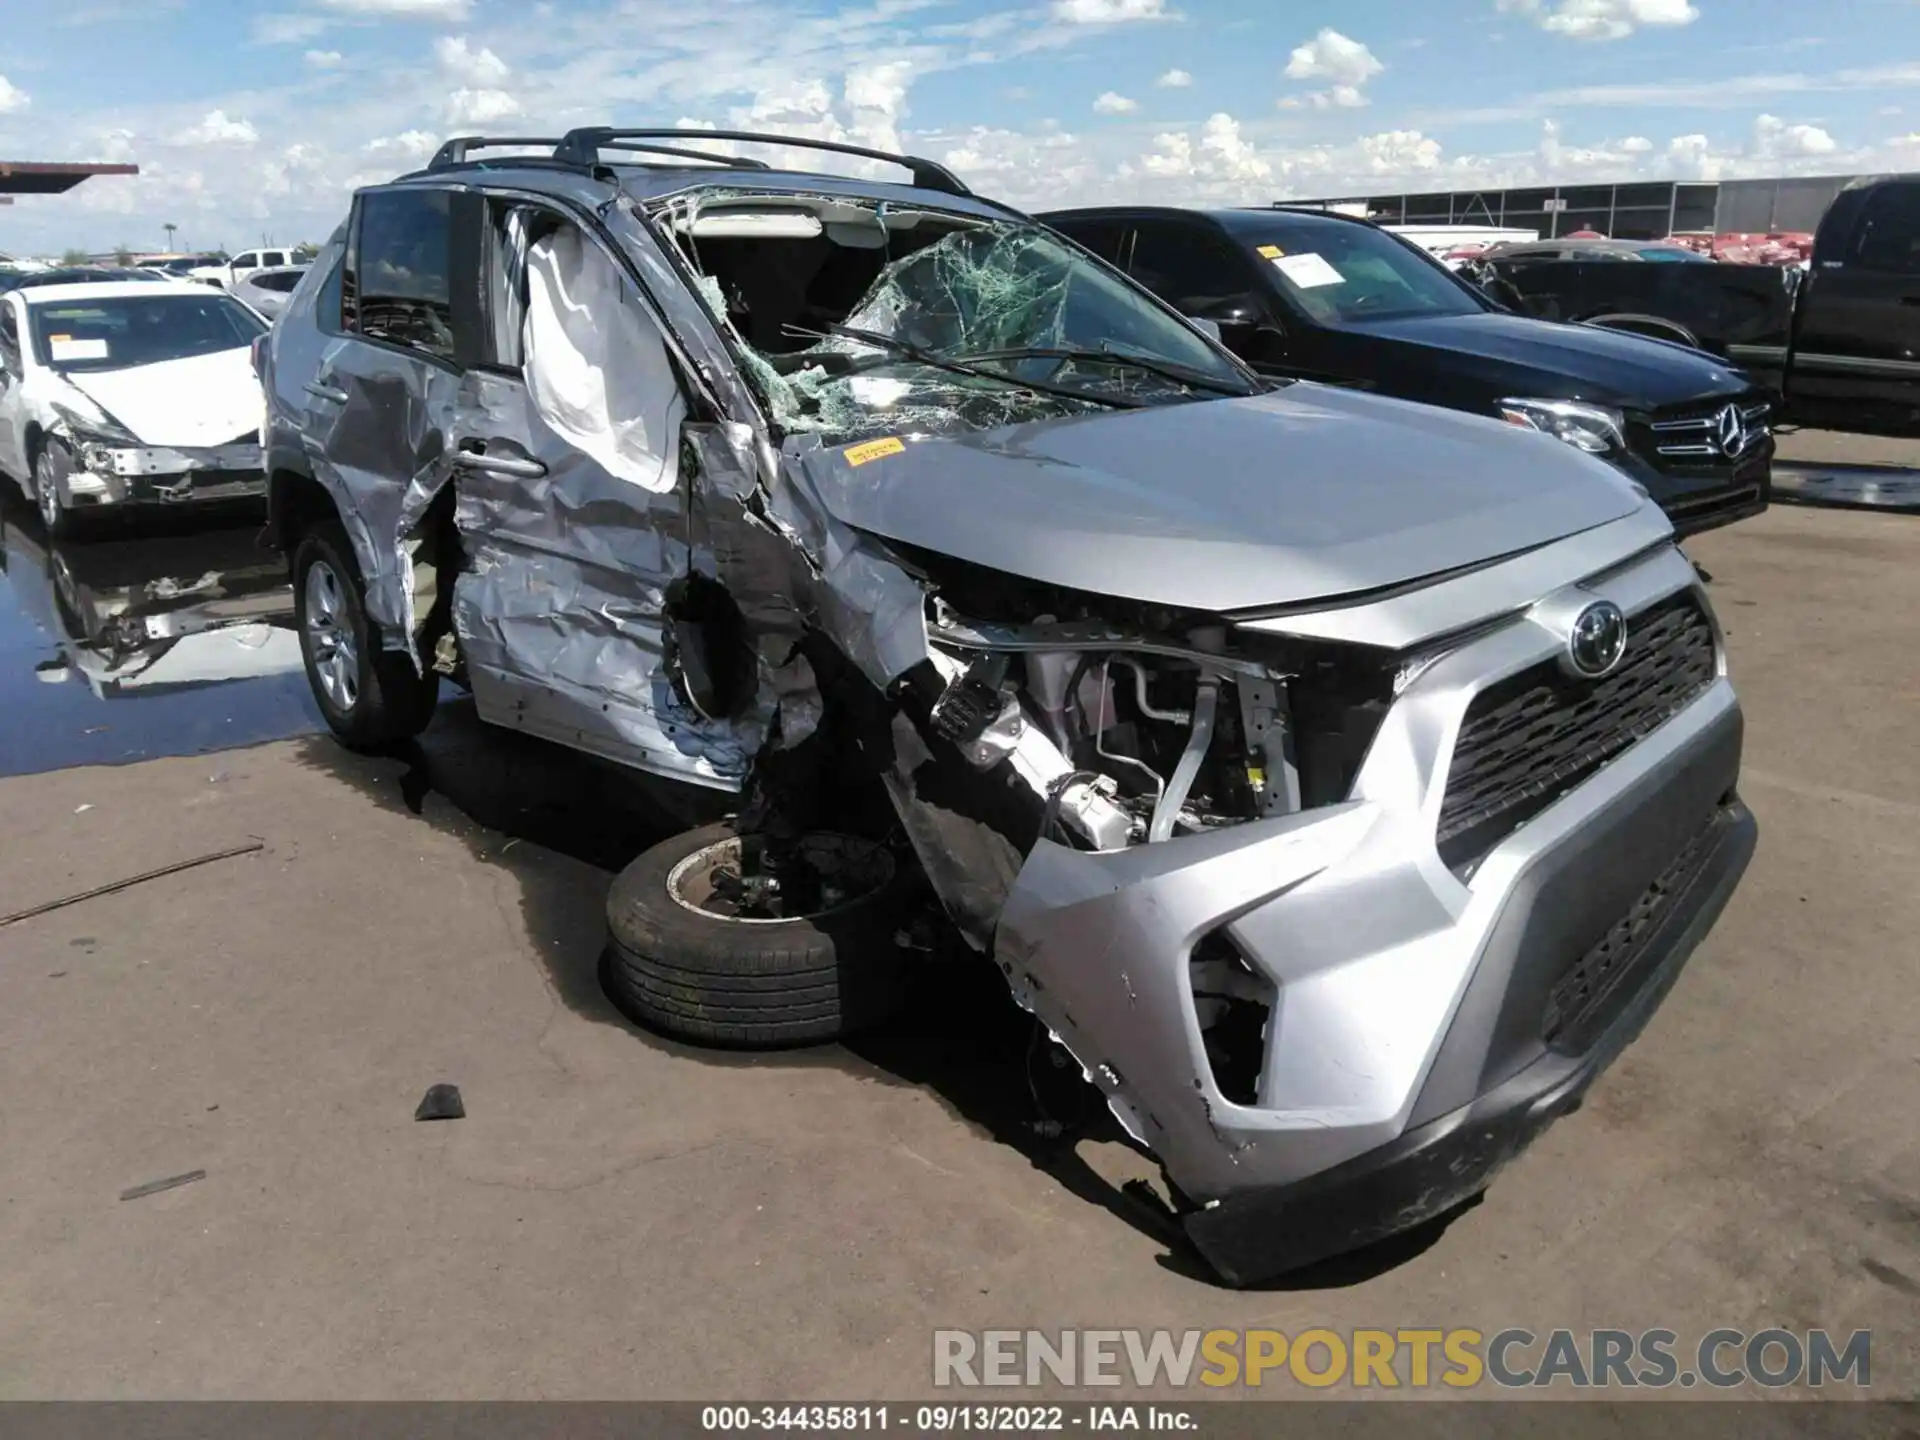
401	263
1190	269
1889	236
1102	237
245	260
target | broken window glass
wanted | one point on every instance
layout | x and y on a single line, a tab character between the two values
881	321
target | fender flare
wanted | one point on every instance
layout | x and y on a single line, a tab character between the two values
1654	327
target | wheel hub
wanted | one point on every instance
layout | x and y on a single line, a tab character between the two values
331	648
755	880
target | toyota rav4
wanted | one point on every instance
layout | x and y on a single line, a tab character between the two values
1341	781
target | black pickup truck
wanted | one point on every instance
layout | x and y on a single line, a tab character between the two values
1313	296
1838	343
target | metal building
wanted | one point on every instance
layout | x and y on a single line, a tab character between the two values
1638	211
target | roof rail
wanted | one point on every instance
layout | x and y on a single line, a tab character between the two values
582	147
455	151
732	162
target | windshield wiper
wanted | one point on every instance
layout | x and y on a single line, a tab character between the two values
907	351
1166	370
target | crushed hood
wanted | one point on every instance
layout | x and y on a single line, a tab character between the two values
201	401
1303	494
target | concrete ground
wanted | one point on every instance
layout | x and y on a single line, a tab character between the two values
621	1217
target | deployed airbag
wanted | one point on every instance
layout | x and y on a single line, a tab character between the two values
596	366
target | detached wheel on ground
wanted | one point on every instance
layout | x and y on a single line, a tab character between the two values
722	939
369	697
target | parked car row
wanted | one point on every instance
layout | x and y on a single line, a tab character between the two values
1838	343
1325	297
1341	780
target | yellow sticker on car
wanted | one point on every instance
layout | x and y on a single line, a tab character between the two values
1271	252
873	450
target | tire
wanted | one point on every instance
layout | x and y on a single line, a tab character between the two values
370	698
60	521
752	983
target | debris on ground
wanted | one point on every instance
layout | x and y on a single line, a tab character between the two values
441	1102
131	880
154	1187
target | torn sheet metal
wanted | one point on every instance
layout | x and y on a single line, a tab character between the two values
561	611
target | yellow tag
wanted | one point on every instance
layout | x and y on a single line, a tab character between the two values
1256	778
1271	252
873	450
56	339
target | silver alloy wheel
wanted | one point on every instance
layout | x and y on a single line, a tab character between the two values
331	648
46	492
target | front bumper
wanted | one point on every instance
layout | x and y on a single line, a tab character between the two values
1703	497
99	475
1410	1034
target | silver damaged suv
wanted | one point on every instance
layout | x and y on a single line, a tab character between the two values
1343	782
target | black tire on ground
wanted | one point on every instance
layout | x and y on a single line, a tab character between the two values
749	984
385	700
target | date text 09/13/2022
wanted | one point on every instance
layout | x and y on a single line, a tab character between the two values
947	1419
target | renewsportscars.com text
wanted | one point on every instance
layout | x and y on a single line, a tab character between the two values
1458	1358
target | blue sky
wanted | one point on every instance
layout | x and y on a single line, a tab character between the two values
258	120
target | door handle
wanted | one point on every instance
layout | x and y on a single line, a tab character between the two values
326	392
515	466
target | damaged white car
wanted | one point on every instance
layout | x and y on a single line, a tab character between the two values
119	394
1343	782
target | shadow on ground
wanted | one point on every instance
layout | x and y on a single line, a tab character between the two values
961	1037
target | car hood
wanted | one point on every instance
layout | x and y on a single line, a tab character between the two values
1569	362
200	401
1303	494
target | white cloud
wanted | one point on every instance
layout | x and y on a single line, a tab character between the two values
1332	56
1115	104
1109	12
1346	63
1223	158
1601	19
404	9
476	106
1174	80
287	29
12	97
479	67
323	59
408	145
1636	145
1774	136
215	128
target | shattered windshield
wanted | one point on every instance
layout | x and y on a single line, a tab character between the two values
857	321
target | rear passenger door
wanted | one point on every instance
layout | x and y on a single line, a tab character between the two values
1858	342
571	505
377	402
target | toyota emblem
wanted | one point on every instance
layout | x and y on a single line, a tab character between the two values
1731	430
1597	640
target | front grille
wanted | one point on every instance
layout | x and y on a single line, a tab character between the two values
1598	985
1688	437
1531	738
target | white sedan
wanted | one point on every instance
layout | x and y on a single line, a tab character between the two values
127	394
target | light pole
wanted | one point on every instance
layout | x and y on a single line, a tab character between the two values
169	228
